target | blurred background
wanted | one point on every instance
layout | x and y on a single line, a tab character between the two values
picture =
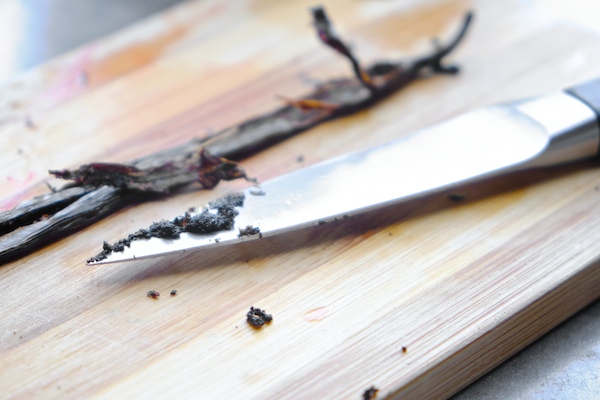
565	364
34	31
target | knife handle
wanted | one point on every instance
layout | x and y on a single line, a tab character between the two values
589	93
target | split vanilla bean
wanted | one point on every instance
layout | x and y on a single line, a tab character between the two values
158	174
99	189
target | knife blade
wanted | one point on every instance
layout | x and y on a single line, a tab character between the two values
533	133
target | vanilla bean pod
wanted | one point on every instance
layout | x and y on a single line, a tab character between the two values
331	99
40	207
133	181
328	36
88	209
160	173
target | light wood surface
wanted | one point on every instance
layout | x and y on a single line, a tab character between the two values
461	285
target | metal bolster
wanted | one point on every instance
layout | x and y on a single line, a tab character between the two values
571	125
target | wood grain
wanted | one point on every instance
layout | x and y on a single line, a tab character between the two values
461	285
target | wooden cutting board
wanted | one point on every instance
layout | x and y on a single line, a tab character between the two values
418	300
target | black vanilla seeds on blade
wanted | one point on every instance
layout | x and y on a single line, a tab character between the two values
218	216
250	231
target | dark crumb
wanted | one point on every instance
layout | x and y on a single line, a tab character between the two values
98	257
154	294
404	349
457	196
250	231
370	393
119	246
204	222
257	317
300	158
106	250
229	200
217	240
257	192
182	220
164	230
322	222
140	234
207	222
390	234
173	292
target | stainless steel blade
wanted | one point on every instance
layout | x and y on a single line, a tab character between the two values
483	143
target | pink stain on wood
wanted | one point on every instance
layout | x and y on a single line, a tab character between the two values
21	182
317	314
19	189
72	77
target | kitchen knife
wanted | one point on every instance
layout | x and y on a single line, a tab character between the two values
533	133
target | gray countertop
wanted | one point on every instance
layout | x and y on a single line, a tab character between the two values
564	364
